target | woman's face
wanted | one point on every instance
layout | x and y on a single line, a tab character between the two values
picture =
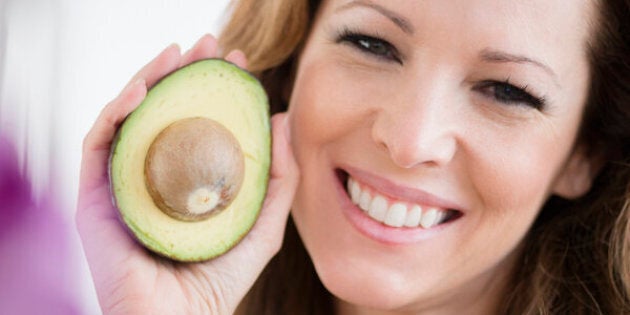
451	122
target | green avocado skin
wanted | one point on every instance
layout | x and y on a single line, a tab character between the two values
210	88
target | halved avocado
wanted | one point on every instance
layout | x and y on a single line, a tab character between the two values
190	166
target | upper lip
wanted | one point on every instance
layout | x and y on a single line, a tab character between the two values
393	190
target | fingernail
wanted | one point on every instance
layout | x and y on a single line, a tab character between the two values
133	89
208	35
173	46
134	85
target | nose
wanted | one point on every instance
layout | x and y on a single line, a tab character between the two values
418	128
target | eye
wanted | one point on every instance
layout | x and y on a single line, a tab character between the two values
506	93
372	45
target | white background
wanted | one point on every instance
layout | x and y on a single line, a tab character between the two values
61	61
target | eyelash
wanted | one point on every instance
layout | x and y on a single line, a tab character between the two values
376	47
372	45
509	94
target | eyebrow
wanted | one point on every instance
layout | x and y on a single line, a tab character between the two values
399	20
497	56
487	55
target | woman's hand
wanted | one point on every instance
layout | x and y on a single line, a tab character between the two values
128	279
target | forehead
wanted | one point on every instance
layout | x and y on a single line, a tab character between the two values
491	10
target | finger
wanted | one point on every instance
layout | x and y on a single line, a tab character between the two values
166	62
99	138
112	115
206	47
284	177
111	251
105	242
268	231
97	143
131	96
238	58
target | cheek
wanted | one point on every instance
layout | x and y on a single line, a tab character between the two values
509	173
310	112
332	97
315	120
514	174
328	117
325	105
514	180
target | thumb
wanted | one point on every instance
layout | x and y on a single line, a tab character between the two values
268	231
282	184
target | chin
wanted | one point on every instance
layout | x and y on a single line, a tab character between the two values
365	262
386	292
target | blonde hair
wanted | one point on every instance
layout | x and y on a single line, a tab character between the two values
270	33
267	31
576	257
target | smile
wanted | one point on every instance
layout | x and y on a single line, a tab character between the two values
395	213
391	213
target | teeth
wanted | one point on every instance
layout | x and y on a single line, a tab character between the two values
429	218
440	218
364	200
398	214
355	190
378	209
413	216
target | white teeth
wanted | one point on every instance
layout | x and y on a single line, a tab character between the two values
378	209
413	216
349	185
355	190
398	214
364	201
429	218
440	217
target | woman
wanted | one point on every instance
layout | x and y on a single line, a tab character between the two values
455	157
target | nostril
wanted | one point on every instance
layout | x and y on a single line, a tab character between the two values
411	139
417	154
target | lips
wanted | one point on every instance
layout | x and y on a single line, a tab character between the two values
395	213
391	213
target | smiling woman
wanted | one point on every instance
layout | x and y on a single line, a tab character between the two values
436	128
456	125
454	157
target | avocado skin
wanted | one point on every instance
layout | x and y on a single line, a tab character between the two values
245	98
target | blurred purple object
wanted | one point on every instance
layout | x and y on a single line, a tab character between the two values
14	190
34	261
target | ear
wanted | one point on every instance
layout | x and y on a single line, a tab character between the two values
578	174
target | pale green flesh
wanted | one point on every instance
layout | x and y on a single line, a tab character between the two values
217	90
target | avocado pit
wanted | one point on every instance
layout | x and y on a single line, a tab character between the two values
194	168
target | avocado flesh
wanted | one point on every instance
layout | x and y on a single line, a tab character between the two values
213	89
